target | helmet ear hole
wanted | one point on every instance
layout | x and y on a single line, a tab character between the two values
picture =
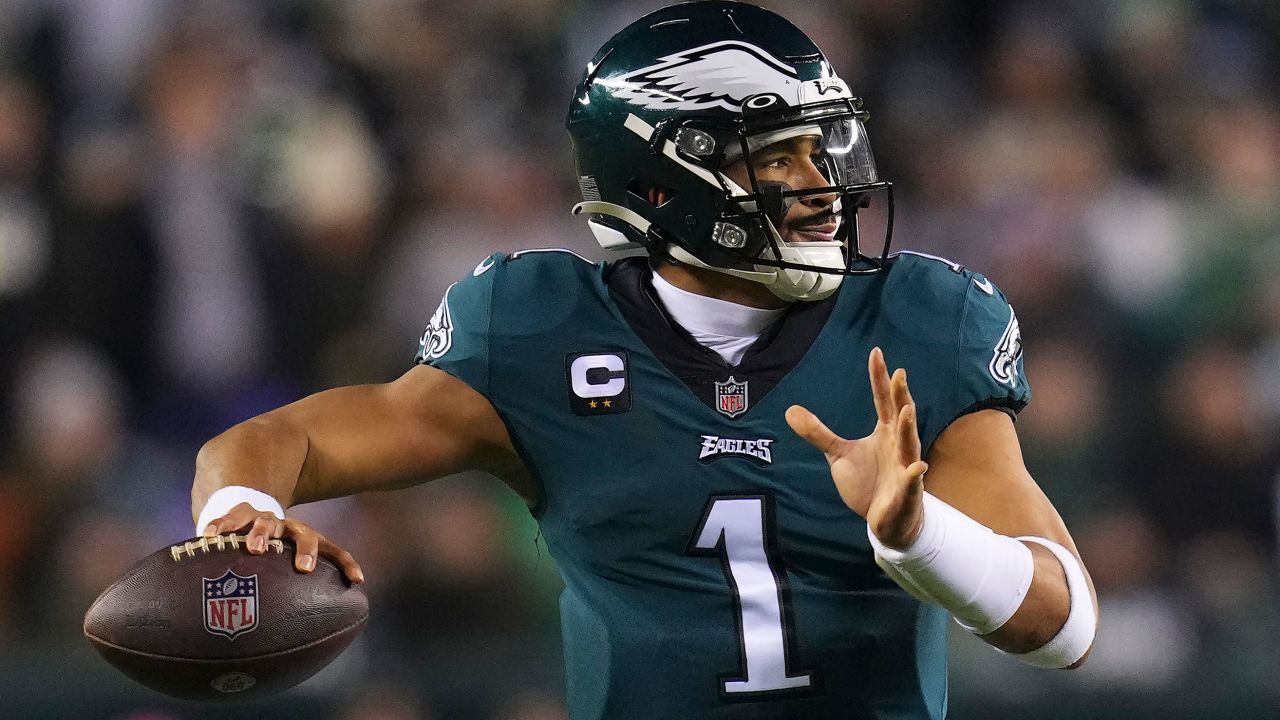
655	195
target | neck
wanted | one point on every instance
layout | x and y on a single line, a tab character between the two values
712	284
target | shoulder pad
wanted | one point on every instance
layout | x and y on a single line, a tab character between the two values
946	278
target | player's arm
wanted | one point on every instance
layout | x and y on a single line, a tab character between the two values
434	420
976	467
424	425
983	542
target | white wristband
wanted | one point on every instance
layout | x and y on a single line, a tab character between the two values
958	563
1076	636
223	499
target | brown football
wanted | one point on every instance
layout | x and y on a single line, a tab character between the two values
206	620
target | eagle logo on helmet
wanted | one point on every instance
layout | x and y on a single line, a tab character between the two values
722	74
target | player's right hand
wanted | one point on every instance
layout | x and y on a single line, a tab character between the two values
263	526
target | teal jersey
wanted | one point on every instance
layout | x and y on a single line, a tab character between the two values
711	569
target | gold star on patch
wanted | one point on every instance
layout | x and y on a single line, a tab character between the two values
608	403
593	403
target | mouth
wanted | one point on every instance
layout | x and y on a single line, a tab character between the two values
824	230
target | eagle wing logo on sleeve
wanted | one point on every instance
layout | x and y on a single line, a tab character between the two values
1004	360
438	337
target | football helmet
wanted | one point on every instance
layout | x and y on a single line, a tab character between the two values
682	94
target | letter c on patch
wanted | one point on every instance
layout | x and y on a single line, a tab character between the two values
598	376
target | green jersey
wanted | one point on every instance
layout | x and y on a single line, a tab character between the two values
711	568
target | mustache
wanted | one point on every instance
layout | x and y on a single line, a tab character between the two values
820	219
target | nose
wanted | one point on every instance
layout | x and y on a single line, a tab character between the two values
809	176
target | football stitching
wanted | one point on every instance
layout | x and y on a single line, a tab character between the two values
221	541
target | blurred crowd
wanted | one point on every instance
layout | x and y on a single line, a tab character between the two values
211	208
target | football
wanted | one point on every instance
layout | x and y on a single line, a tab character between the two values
207	620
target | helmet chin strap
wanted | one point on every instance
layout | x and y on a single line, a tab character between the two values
613	240
790	285
763	274
804	285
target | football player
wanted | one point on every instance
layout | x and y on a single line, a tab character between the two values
675	421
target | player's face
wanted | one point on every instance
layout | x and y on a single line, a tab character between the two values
795	163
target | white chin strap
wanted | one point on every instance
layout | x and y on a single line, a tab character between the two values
788	284
807	285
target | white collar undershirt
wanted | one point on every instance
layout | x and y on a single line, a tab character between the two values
725	327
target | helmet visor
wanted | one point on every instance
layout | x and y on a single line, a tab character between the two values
837	146
846	153
830	155
824	157
806	155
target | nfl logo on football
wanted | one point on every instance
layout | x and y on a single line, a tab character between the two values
731	397
230	604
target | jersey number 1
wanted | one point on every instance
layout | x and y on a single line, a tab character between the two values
735	528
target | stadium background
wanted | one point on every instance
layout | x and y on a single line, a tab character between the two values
211	208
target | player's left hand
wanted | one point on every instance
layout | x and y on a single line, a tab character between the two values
880	476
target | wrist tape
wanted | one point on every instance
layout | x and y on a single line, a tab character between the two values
982	578
960	564
223	499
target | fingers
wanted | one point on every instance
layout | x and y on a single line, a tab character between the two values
880	388
311	545
306	546
237	518
890	394
808	426
898	390
344	560
908	439
264	526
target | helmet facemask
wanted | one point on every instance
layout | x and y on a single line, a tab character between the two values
831	138
750	217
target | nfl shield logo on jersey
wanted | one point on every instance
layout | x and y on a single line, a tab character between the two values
231	604
731	397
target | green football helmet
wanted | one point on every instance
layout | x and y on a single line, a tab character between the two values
683	93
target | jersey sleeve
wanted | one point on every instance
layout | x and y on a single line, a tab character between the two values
989	363
457	338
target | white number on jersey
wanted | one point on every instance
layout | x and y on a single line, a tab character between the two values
734	527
